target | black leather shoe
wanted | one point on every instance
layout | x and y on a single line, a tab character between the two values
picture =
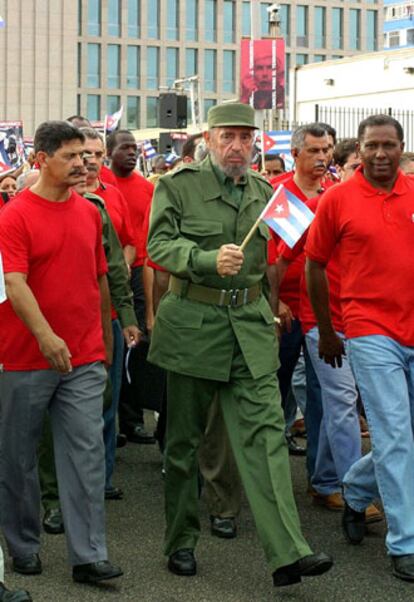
114	493
353	525
16	596
95	572
121	440
27	565
53	521
182	562
308	566
403	567
223	527
140	435
294	448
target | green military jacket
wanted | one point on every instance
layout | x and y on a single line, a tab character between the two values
192	215
118	277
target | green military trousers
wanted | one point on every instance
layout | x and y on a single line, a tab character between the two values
254	420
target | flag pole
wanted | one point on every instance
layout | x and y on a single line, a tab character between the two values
253	229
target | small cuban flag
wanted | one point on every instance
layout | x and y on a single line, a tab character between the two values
148	150
171	158
112	121
287	215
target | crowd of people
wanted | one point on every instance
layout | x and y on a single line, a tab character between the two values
126	292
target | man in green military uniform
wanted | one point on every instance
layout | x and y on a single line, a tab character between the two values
214	333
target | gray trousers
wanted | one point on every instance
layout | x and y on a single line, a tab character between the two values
74	402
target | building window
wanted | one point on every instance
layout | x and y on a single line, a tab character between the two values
302	25
153	19
191	21
152	112
210	74
93	107
208	103
210	20
173	12
94	66
228	71
133	112
284	13
246	19
228	22
394	39
371	28
319	58
172	65
410	37
191	66
337	28
94	17
264	19
113	104
153	60
134	18
80	18
79	65
302	59
133	67
113	65
320	26
114	18
354	29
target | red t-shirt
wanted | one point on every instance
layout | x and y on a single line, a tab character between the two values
118	211
137	192
107	176
59	247
375	232
306	315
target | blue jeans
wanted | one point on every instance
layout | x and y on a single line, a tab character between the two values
339	436
313	414
109	416
289	352
384	372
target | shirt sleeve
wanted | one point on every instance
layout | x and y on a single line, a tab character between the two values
166	244
14	241
324	231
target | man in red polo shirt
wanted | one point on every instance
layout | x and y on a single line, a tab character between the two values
122	151
54	326
370	218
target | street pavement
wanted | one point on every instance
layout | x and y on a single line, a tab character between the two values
228	570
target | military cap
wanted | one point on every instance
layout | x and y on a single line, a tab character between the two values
231	114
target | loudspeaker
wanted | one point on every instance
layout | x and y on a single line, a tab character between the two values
166	143
173	111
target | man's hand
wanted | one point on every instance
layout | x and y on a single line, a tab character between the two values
56	352
331	349
229	260
132	335
285	316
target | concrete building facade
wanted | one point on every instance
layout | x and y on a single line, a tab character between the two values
60	57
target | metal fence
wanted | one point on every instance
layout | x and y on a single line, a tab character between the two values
346	120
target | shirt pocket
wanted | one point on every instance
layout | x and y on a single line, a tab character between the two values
201	227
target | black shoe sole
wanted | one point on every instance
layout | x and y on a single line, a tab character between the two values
90	579
403	576
223	535
27	572
181	573
318	568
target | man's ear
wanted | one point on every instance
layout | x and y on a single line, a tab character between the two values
41	158
295	153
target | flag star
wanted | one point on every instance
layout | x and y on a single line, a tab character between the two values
279	209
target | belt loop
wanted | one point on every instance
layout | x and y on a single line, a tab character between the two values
184	288
245	296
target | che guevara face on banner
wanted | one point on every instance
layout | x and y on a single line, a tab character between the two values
262	73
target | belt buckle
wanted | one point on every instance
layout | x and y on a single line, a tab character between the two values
233	297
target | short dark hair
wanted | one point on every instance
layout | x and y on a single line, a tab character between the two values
331	131
190	145
374	120
50	135
343	149
276	158
111	140
311	129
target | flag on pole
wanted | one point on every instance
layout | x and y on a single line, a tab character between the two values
112	121
287	215
170	158
148	150
277	141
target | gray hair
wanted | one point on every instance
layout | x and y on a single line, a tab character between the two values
310	129
21	181
91	134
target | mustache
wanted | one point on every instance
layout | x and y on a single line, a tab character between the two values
77	172
92	168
